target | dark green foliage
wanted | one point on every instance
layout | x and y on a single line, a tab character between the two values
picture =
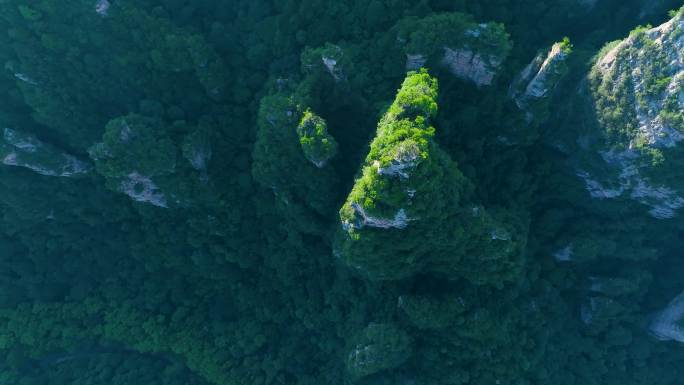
411	208
429	36
378	347
172	174
316	142
281	164
134	144
113	62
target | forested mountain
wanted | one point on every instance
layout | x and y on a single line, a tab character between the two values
377	192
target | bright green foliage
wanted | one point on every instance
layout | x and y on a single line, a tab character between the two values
318	145
137	157
635	88
620	103
378	347
409	210
197	147
533	88
511	273
281	161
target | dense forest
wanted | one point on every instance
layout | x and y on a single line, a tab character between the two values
376	192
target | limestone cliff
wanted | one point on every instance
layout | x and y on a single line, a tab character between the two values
138	158
317	144
410	208
24	150
636	89
669	323
532	88
290	154
471	51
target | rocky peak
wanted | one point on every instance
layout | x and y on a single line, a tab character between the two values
637	89
470	51
540	77
648	66
470	65
317	144
394	158
24	150
668	324
405	214
330	57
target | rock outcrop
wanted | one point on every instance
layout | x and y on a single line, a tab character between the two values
102	7
668	325
470	65
471	51
408	210
24	150
330	58
637	91
290	156
139	159
378	347
532	88
197	150
317	144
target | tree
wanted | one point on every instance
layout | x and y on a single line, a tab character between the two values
411	210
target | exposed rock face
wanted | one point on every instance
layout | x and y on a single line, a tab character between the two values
662	200
399	221
470	51
24	78
405	158
142	189
330	57
378	347
564	254
637	87
472	66
407	212
331	64
199	158
540	77
394	161
198	152
415	62
137	158
668	324
652	62
24	150
102	7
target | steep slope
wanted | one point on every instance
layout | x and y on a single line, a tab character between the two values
411	209
532	88
470	51
637	91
